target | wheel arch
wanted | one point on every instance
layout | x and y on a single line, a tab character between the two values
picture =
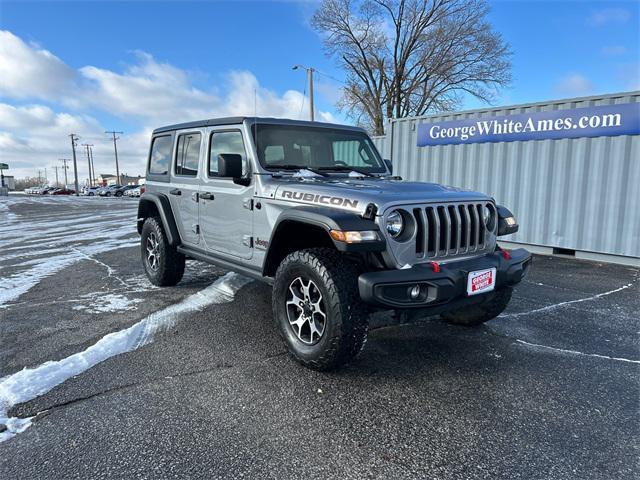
308	227
152	205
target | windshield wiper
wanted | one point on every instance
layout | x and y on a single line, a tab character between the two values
297	168
343	168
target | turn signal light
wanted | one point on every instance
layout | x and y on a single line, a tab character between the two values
354	237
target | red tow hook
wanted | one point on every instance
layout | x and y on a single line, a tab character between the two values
436	267
506	255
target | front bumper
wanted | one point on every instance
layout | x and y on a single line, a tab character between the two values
443	290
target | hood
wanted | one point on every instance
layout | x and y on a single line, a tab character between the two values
355	194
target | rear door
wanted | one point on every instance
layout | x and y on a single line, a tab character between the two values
226	216
183	192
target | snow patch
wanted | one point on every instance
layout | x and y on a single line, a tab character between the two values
575	352
103	303
15	285
28	384
562	304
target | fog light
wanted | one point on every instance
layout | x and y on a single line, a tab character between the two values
414	293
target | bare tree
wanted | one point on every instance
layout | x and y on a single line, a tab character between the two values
410	57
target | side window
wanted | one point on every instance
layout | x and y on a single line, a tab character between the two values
224	142
351	153
160	155
188	154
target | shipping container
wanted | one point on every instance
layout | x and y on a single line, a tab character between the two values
577	195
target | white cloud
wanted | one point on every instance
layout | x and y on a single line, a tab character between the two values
27	71
607	16
574	85
148	93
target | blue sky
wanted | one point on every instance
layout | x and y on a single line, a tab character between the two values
114	65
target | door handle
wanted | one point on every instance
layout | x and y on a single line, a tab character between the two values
207	196
175	191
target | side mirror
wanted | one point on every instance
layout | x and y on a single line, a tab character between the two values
389	165
230	165
507	223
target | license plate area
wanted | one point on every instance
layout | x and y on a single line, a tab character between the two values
481	281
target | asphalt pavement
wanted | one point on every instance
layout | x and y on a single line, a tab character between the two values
549	390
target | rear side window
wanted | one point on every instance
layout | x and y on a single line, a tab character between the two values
160	155
224	142
188	154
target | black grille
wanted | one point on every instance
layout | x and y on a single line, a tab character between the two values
444	230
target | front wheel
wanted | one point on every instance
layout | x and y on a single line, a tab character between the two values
317	308
474	315
163	264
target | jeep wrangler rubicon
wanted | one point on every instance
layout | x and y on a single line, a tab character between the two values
313	209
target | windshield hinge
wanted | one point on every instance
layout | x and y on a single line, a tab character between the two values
248	204
247	240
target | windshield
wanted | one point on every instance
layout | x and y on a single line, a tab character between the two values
317	148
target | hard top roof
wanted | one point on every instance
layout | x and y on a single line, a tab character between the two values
251	120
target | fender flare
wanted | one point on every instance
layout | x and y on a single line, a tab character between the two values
163	206
331	219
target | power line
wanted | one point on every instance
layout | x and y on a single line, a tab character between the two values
55	167
93	168
115	149
64	163
87	146
74	141
310	71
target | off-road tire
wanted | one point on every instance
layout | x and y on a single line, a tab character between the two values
477	314
347	321
170	263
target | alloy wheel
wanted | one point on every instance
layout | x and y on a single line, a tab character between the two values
153	251
306	310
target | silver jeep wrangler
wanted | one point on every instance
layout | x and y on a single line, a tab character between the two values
313	209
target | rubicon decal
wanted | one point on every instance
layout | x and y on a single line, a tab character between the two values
605	120
322	199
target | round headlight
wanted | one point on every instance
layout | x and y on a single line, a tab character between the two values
395	224
488	215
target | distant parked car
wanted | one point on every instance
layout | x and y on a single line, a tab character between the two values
132	192
122	190
135	192
108	191
63	191
90	191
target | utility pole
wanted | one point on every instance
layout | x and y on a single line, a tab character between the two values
87	146
93	168
64	162
55	167
39	177
115	149
310	71
74	141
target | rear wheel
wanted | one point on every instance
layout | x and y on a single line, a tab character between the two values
163	264
474	315
317	308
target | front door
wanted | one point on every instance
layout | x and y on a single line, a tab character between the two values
183	193
226	216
